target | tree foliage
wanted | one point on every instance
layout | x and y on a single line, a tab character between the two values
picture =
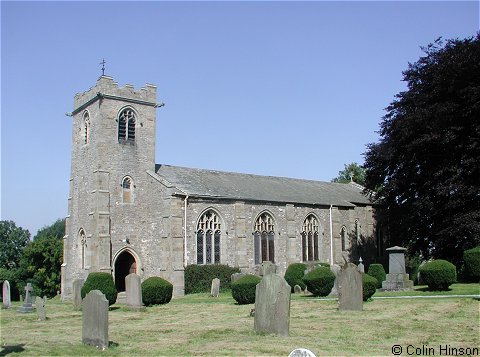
12	241
425	168
351	172
42	259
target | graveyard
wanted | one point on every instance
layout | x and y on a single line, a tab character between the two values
202	325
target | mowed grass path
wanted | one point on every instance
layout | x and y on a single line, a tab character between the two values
200	325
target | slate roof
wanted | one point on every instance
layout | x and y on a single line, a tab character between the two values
228	185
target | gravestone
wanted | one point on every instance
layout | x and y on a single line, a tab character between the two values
268	268
361	267
397	278
301	352
350	288
95	320
215	289
6	297
40	306
297	289
133	290
27	303
272	305
335	269
77	293
236	276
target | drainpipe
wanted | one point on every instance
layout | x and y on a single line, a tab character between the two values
185	232
331	237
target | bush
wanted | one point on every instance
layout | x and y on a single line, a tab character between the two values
198	278
377	271
319	281
471	258
438	274
370	284
103	282
156	290
294	275
243	290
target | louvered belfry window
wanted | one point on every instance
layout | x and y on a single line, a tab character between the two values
126	126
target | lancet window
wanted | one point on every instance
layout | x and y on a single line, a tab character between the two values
86	127
310	238
83	246
127	190
343	238
208	238
264	239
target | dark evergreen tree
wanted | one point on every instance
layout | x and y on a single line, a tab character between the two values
424	171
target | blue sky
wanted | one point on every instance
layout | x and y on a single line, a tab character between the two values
294	89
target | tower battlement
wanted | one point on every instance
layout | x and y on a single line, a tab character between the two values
107	87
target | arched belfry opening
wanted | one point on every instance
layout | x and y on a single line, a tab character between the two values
124	264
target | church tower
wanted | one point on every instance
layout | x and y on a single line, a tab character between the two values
113	148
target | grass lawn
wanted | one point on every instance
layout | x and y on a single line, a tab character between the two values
200	325
422	290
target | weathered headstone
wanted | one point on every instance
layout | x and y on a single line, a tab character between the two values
350	288
297	289
95	320
6	297
272	305
215	289
77	293
301	352
361	267
133	290
40	306
396	279
27	303
236	276
335	269
268	268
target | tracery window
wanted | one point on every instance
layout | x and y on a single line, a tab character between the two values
127	190
86	127
208	238
310	238
83	244
264	239
126	126
343	237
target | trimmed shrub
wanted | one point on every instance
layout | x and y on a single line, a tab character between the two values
370	284
103	282
438	274
377	271
243	290
198	278
156	290
319	281
471	258
294	275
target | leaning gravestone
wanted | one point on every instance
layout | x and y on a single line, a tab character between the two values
40	306
272	305
215	289
95	320
27	303
268	268
77	293
133	291
6	297
350	288
397	278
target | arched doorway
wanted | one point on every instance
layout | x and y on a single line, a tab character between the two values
124	264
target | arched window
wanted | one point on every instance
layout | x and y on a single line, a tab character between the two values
343	237
310	239
208	238
357	231
86	127
127	190
126	126
264	239
83	244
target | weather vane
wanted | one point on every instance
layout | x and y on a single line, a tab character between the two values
103	66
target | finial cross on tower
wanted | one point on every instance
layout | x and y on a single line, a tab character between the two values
103	66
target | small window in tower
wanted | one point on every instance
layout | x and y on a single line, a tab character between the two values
127	190
86	127
126	126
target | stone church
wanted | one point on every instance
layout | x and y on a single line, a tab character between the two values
128	214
